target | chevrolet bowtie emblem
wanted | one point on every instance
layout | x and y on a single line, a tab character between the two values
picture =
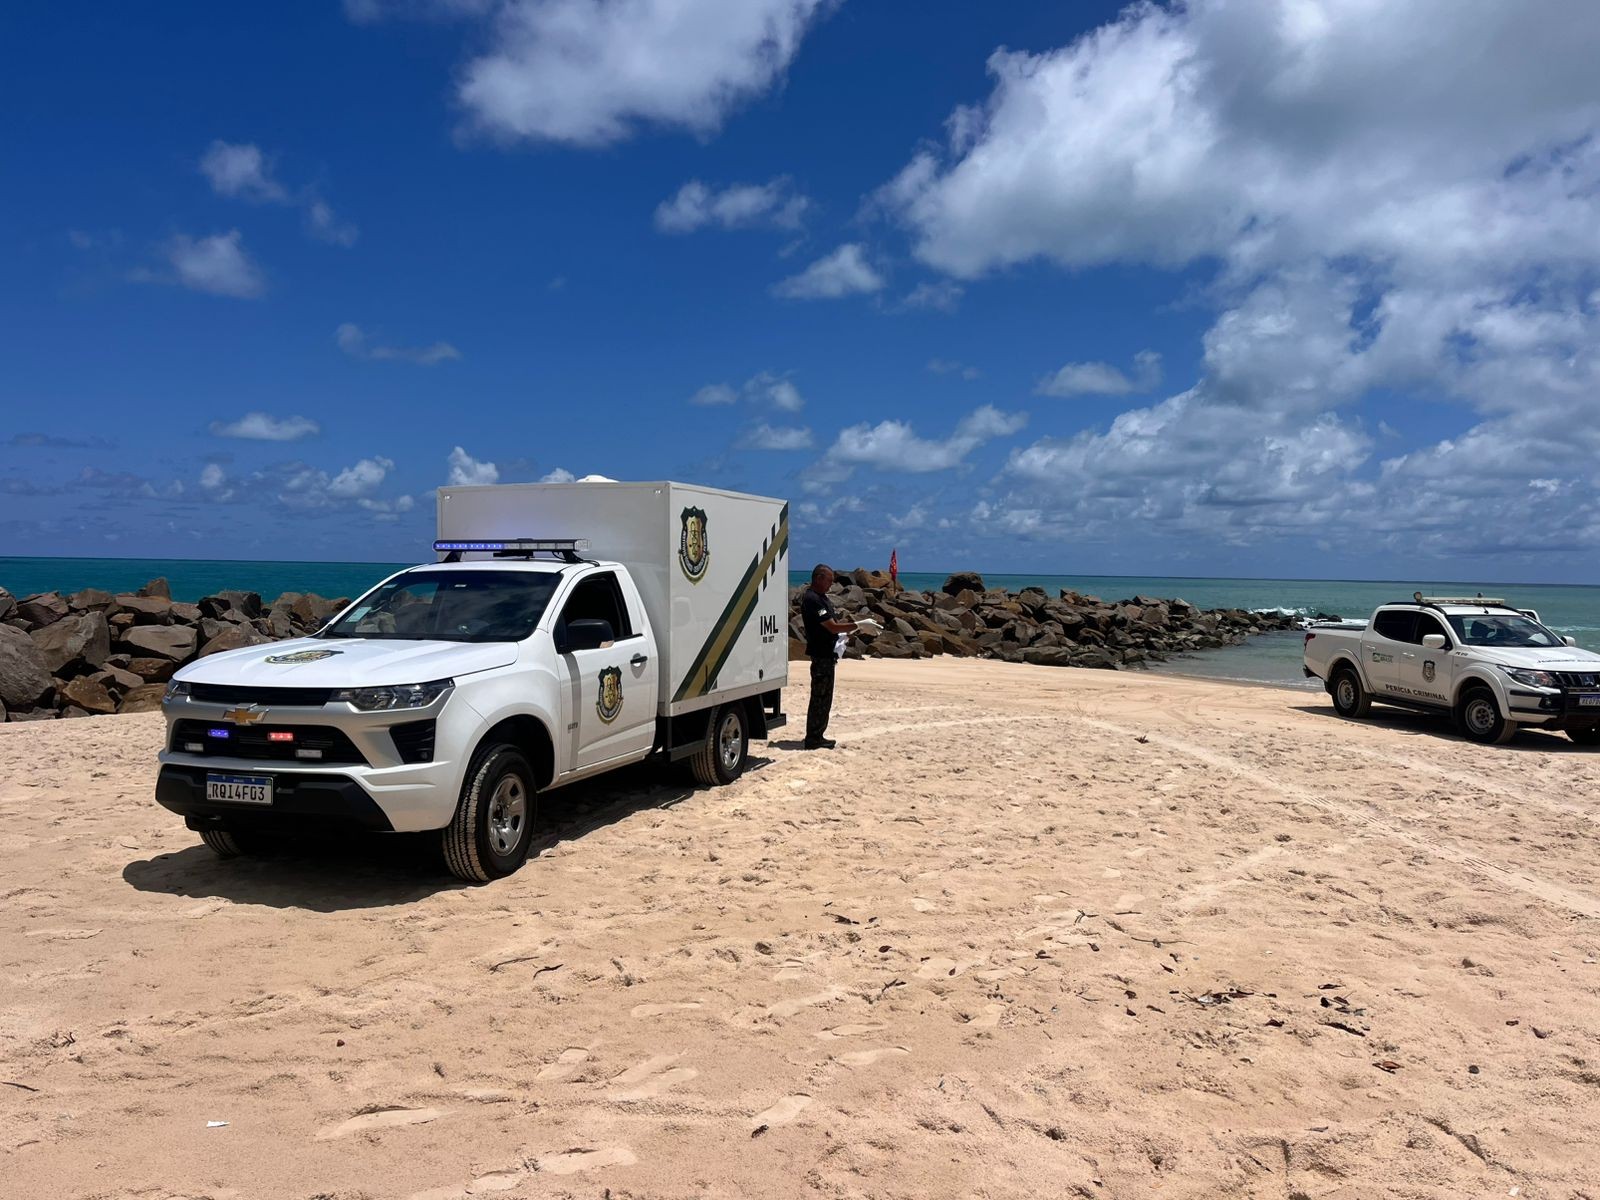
243	716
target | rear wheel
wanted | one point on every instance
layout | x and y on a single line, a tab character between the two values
1481	720
489	836
721	756
1350	699
1589	735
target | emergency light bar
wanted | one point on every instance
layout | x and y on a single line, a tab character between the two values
515	546
1479	601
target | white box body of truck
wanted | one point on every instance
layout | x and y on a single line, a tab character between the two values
566	630
712	568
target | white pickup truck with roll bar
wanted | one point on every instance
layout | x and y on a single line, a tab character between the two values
1492	667
454	693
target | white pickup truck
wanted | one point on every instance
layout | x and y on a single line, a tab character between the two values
454	693
1494	668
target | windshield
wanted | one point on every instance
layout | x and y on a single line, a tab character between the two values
452	606
1502	629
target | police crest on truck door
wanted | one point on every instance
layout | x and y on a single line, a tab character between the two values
609	703
694	551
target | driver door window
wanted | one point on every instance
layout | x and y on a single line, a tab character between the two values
1391	636
608	709
1425	673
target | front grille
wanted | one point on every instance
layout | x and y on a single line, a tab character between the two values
1577	679
414	741
255	742
227	693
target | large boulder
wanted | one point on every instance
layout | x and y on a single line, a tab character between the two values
24	680
74	643
175	642
143	699
964	581
151	670
8	604
44	608
234	637
311	610
91	599
186	614
146	610
89	694
158	589
232	606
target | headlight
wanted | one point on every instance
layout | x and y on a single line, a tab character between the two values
402	695
176	690
1531	678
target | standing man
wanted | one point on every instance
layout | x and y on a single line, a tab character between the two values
823	626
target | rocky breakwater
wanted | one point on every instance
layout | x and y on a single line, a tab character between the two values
1069	629
93	652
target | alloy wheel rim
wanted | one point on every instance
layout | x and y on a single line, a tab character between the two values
508	814
728	741
1480	716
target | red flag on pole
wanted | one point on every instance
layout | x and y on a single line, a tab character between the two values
894	567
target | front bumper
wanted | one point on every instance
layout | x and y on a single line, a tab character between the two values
1552	708
381	792
333	801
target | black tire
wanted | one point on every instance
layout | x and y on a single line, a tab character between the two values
722	754
1588	735
230	843
1350	699
1481	720
489	836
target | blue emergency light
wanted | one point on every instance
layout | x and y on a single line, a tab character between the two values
219	733
513	546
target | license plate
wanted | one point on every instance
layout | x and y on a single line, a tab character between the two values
1589	701
239	789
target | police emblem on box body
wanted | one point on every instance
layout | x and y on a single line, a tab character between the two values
609	702
301	656
694	551
1429	670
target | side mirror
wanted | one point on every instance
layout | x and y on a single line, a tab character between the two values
1433	641
587	635
1570	640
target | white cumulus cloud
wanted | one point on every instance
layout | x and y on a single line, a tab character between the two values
737	206
592	72
1103	379
782	437
241	170
896	446
263	427
217	264
464	469
845	272
353	341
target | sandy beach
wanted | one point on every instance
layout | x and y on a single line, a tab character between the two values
1029	932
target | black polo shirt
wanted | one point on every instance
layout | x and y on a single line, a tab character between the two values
814	610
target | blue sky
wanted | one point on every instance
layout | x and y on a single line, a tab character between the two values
1242	287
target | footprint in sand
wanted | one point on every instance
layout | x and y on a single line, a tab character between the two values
921	904
865	1058
573	1161
651	1078
988	1018
496	1181
564	1067
382	1118
788	1008
782	1112
656	1010
844	1031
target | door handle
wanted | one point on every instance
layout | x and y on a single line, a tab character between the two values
639	660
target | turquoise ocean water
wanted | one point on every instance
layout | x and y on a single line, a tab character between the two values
1273	658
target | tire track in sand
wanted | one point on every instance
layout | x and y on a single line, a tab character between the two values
1362	817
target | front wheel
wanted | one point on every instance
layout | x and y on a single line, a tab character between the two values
230	843
1481	720
489	836
721	757
1350	699
1588	735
